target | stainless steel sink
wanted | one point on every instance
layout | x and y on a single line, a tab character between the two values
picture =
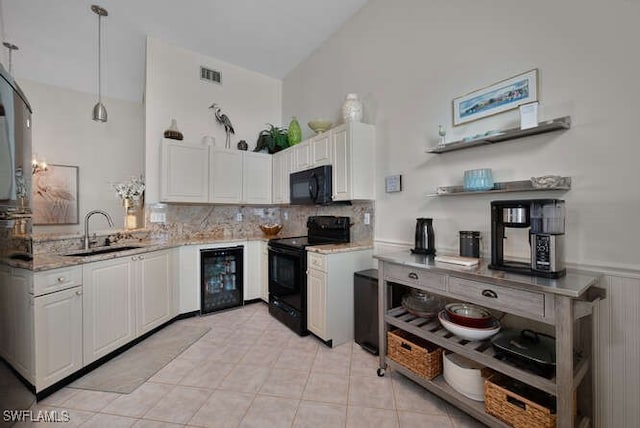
103	250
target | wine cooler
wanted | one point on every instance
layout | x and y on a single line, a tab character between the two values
221	279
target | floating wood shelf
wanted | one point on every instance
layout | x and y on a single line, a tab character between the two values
505	135
503	187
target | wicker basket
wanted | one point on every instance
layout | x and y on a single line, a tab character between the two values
413	352
513	408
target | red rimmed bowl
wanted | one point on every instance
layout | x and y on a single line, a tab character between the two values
468	333
468	315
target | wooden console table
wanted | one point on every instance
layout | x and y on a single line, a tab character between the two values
565	305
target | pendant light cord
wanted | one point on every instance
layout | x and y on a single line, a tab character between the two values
99	58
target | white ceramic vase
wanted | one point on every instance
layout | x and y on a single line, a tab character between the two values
352	109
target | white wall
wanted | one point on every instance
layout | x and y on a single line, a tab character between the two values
174	90
408	59
106	153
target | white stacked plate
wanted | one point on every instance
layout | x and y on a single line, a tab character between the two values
463	375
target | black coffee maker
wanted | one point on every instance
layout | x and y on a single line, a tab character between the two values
425	239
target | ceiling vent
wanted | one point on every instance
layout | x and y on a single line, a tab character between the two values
209	75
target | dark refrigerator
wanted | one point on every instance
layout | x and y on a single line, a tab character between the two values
221	279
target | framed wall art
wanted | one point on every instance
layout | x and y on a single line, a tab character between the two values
497	98
55	195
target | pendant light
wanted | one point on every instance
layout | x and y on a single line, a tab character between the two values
99	110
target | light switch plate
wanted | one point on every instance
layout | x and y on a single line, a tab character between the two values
393	183
158	218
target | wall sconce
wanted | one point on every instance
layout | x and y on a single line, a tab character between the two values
38	166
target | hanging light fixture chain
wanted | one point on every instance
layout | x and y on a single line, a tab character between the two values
99	111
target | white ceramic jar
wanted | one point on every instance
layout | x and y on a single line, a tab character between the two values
352	109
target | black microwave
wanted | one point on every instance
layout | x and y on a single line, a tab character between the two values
311	186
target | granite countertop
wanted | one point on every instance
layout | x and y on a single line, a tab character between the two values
574	284
48	261
340	248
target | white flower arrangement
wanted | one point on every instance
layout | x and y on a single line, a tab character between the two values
132	189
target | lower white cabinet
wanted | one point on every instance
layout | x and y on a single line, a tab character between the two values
253	270
58	336
264	271
330	292
108	307
154	285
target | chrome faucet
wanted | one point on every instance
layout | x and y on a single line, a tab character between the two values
86	224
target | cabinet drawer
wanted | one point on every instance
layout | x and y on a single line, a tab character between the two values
497	297
317	261
57	279
413	276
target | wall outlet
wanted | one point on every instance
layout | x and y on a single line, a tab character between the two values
158	218
367	218
286	215
239	217
259	212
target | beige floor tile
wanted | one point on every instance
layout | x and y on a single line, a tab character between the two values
179	405
101	420
304	343
145	423
366	417
285	383
364	363
202	350
261	355
59	397
332	361
311	414
412	397
295	360
328	388
245	379
461	419
72	418
173	372
229	353
207	374
270	412
375	392
91	401
421	420
139	401
223	409
220	335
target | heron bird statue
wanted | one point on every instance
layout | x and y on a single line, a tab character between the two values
223	120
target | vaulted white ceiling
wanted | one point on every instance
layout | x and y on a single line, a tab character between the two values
57	39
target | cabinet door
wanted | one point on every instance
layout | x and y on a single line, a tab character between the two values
184	172
256	178
23	327
58	336
341	164
321	150
302	153
317	303
264	271
225	176
5	310
252	285
107	307
154	290
276	177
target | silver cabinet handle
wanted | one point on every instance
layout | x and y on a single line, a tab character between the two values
140	257
61	279
134	258
79	293
490	293
413	275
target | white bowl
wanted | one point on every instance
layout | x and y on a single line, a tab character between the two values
468	333
463	375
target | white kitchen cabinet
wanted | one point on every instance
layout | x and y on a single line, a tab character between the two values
58	336
330	293
282	167
256	178
321	153
108	306
5	312
302	156
225	176
353	147
253	269
22	313
184	172
264	271
154	284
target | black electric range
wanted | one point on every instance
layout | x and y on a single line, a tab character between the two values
288	268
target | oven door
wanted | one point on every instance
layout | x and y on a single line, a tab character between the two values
287	276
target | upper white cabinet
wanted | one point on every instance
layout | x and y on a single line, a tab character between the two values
256	178
199	173
184	175
321	153
282	166
353	161
225	176
302	156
